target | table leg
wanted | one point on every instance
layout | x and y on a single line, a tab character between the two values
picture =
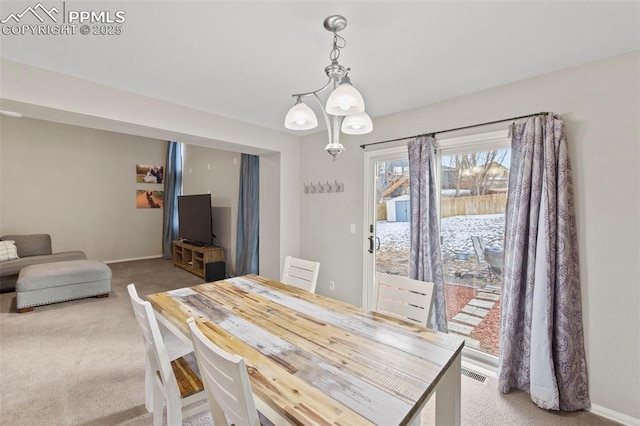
448	395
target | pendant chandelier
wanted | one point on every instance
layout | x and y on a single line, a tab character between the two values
344	108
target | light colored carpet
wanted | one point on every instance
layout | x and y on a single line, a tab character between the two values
81	363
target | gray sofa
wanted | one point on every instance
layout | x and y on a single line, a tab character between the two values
32	250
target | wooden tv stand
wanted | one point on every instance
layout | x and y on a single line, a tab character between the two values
193	258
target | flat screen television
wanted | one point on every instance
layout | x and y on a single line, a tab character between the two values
194	219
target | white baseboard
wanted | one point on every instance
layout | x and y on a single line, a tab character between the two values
132	259
480	362
614	415
479	368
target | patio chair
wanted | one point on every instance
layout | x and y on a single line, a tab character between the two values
495	259
479	248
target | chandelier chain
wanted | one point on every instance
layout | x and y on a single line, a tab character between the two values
338	43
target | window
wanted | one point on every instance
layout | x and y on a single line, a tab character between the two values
474	175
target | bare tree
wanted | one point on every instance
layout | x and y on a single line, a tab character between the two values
477	170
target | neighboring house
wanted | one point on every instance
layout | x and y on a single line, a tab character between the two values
392	179
448	177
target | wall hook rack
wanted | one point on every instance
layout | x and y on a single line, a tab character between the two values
320	188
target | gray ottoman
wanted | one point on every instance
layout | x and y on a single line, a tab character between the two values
60	281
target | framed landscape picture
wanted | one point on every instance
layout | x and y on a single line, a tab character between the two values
149	174
146	199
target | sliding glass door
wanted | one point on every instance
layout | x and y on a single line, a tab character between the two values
387	216
473	175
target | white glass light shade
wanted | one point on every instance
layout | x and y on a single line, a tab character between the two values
358	124
300	117
345	100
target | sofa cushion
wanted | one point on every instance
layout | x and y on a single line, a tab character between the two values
57	274
31	245
8	250
13	267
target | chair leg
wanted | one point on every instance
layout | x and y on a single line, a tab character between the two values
148	385
158	398
174	412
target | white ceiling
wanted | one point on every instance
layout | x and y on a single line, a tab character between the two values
243	60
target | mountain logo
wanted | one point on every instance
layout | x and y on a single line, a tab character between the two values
39	11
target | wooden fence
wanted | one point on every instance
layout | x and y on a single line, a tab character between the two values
381	212
473	204
457	206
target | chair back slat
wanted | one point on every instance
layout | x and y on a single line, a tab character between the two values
300	273
404	298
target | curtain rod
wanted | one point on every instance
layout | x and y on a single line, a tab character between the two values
453	130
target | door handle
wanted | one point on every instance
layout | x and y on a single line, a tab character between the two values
371	244
377	243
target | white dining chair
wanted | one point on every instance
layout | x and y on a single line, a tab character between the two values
226	382
174	382
404	298
300	273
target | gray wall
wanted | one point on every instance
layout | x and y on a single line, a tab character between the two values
600	105
78	185
326	218
271	261
216	172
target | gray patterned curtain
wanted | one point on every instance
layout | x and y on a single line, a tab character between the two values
248	216
172	188
425	255
541	340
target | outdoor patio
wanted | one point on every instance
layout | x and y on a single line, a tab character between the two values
472	293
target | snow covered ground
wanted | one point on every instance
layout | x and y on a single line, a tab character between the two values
462	281
456	233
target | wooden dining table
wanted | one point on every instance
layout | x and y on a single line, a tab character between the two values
315	360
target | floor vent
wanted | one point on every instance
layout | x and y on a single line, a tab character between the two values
473	375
